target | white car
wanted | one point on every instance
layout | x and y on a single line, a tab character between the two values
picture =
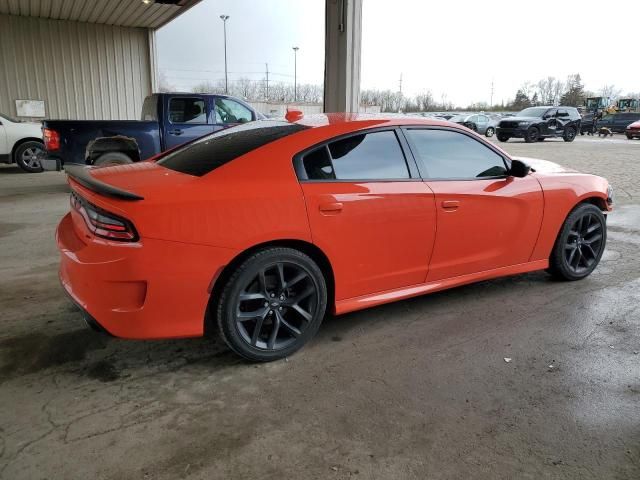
21	143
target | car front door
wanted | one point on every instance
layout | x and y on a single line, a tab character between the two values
369	212
485	218
550	124
188	118
482	122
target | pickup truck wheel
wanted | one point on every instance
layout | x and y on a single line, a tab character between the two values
503	138
112	158
532	135
569	134
28	155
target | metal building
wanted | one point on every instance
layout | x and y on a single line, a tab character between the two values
81	59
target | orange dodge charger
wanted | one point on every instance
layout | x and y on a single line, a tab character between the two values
259	229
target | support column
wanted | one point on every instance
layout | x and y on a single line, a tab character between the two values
343	41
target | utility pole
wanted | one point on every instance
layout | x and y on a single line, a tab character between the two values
295	73
267	82
491	102
224	19
400	85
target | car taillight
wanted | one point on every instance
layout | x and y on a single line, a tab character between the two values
51	139
104	224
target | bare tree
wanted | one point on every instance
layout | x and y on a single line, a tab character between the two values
610	91
163	83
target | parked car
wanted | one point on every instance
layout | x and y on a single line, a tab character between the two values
21	143
633	130
168	120
588	123
534	124
258	230
478	122
617	122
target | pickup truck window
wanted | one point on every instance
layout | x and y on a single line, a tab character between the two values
187	110
208	153
229	111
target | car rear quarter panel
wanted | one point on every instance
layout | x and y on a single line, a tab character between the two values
562	193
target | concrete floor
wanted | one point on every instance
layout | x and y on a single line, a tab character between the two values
417	389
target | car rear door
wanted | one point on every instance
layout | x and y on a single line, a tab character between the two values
485	219
187	118
562	119
369	211
550	123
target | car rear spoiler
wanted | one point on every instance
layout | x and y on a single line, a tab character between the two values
82	175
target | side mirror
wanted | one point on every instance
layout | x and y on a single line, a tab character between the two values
519	169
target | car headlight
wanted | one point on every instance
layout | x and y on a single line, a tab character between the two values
524	124
610	195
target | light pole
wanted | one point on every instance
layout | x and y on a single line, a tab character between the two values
224	19
295	73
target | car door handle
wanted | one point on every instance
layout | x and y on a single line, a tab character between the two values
330	207
450	205
177	131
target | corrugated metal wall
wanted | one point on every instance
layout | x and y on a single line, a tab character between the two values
81	70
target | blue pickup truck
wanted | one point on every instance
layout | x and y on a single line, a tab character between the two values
168	120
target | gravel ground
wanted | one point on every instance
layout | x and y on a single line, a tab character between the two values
417	389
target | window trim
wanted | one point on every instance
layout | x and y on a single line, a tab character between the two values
199	97
506	160
412	168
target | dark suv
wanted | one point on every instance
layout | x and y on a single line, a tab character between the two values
534	124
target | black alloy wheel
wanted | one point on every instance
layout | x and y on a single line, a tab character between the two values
569	134
532	135
580	244
272	305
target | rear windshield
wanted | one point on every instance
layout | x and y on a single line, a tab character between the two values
208	153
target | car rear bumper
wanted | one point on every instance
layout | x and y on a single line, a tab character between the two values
512	132
51	164
143	290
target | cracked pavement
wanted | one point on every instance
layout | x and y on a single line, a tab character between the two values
416	389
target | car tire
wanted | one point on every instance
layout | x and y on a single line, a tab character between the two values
541	139
27	156
489	132
112	158
580	243
279	290
630	137
503	138
532	135
569	134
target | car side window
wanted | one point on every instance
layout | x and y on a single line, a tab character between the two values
230	111
550	113
366	156
445	154
562	113
482	119
187	110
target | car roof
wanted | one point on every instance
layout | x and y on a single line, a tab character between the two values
366	120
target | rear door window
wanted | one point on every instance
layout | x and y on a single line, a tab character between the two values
191	110
366	156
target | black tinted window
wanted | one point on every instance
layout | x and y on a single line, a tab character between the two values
187	110
318	165
208	153
375	155
447	154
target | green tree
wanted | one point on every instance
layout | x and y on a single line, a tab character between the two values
574	95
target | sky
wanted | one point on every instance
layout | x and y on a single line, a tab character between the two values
455	49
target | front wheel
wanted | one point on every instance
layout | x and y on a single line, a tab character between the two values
489	132
28	156
272	304
629	136
580	244
569	134
532	135
503	137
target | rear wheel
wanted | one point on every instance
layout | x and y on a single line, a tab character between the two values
489	132
503	137
532	135
28	156
569	134
112	158
580	244
272	304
